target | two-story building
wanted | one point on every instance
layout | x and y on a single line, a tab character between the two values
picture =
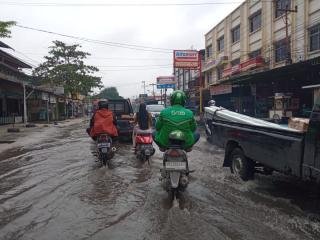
261	49
12	86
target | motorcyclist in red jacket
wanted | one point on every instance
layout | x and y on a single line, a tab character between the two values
103	121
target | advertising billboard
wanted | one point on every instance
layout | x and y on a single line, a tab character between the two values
188	59
166	82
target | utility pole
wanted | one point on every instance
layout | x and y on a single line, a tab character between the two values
153	93
288	44
165	97
25	115
200	84
144	87
48	120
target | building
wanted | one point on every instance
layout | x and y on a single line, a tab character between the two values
12	86
188	80
46	102
261	49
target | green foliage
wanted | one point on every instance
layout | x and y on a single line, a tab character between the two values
109	93
4	29
65	67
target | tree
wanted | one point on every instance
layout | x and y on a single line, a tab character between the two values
4	29
65	67
109	92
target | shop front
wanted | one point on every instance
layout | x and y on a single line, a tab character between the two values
279	89
222	94
11	102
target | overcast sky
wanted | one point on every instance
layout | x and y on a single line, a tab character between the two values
168	27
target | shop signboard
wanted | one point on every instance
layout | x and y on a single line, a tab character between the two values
163	86
226	72
220	89
166	82
252	63
58	90
45	96
53	99
187	59
244	66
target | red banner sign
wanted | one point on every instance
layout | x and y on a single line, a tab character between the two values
188	59
244	66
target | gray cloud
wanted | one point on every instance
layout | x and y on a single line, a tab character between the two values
165	27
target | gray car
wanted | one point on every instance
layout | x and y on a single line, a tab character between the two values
155	110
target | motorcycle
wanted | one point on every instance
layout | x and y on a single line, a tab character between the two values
175	170
144	149
105	150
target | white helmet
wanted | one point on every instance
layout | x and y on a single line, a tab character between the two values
211	103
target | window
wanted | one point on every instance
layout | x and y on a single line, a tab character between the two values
235	62
209	77
219	72
314	38
280	50
255	21
117	107
220	44
281	4
209	51
255	53
235	34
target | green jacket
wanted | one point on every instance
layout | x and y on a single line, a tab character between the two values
175	118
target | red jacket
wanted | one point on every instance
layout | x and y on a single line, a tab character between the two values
103	123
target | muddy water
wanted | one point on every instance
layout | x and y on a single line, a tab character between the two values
56	190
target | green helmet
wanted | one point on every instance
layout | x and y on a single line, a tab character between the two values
178	97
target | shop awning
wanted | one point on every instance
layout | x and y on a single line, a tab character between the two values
14	61
292	70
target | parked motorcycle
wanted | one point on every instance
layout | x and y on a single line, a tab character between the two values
144	149
105	150
175	171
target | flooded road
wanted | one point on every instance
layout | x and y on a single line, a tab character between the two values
56	190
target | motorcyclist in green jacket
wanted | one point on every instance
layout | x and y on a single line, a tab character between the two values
176	117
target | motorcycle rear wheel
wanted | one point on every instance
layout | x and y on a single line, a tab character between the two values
104	160
172	194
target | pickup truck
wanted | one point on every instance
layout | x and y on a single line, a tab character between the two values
124	113
254	146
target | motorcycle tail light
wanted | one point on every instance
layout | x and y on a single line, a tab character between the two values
103	138
174	153
145	139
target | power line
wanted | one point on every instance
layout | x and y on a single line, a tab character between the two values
56	4
91	57
135	66
30	59
134	69
108	43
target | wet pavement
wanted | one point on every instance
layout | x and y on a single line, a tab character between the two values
56	190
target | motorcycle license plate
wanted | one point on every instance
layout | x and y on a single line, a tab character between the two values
144	147
176	166
104	150
103	145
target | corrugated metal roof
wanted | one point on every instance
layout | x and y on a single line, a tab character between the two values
3	45
14	59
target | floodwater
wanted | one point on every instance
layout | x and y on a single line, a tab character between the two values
57	190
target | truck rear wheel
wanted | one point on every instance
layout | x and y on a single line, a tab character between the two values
241	165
